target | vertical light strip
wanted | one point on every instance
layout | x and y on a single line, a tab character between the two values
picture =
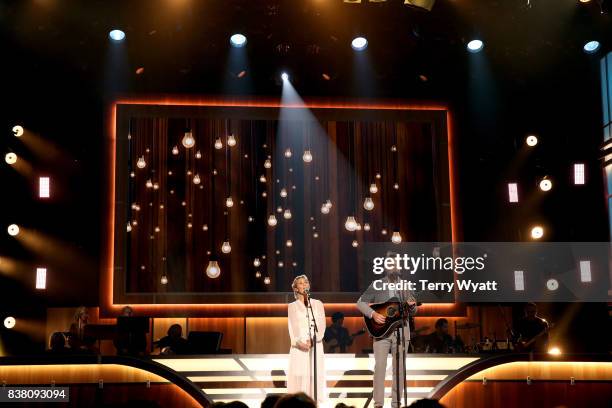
519	280
513	193
41	278
44	187
585	271
578	173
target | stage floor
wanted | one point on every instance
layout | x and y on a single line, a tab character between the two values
249	378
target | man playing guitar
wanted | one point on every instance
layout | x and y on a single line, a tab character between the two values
532	331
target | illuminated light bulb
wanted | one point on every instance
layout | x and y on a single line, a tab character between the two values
258	274
226	248
324	209
161	206
9	322
170	172
205	227
281	264
267	280
384	231
132	174
196	179
218	144
175	150
134	206
366	227
289	243
231	141
545	184
198	155
134	223
358	227
328	203
373	188
188	140
129	227
256	262
378	176
183	203
157	229
355	244
262	178
283	192
163	280
18	131
214	172
307	157
264	194
279	209
141	163
368	204
294	263
13	230
229	202
531	140
250	219
288	153
396	238
293	187
10	158
396	186
213	270
394	148
149	183
189	172
287	214
537	232
554	351
267	164
272	220
315	235
155	186
189	225
350	224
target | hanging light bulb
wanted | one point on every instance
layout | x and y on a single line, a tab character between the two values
218	144
188	140
129	227
368	204
132	174
355	244
373	188
258	274
198	155
366	227
396	186
267	164
396	238
287	214
141	163
256	262
350	224
196	179
281	264
358	227
394	148
157	229
324	209
155	186
328	203
315	235
283	192
205	227
272	220
279	209
226	248
229	202
149	183
213	270
164	280
384	231
231	141
264	194
175	150
267	280
262	178
289	243
378	176
288	153
307	157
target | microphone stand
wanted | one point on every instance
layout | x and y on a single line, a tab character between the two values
401	345
313	341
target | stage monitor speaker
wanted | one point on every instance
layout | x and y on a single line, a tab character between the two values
421	4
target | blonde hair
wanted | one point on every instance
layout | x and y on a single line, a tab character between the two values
294	284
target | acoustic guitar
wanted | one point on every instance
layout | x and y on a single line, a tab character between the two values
391	310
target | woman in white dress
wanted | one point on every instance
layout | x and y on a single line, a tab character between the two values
300	376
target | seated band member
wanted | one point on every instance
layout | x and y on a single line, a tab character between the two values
383	345
532	331
439	341
303	314
337	337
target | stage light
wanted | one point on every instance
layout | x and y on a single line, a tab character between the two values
475	46
41	278
545	184
188	140
272	220
164	280
350	223
396	238
9	322
18	131
196	179
554	351
537	232
141	163
420	4
579	173
43	187
552	284
591	47
324	209
212	270
231	141
283	192
226	248
585	271
513	193
10	158
229	203
531	140
519	280
307	157
373	188
368	204
288	153
13	230
359	43
287	214
218	144
238	40
267	164
116	35
285	76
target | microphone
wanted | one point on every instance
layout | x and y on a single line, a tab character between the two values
307	292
